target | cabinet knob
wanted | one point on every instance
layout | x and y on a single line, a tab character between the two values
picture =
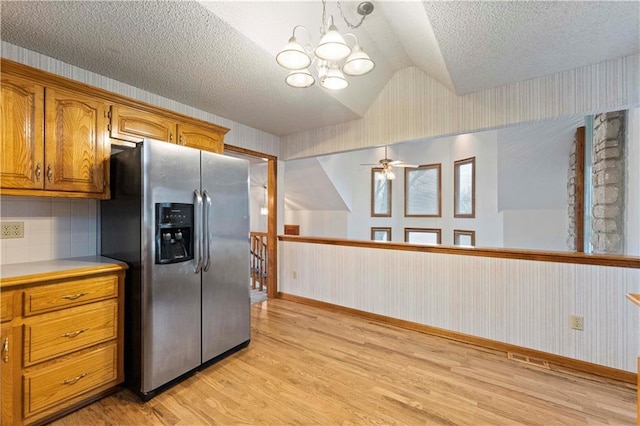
38	172
5	350
171	137
49	173
181	140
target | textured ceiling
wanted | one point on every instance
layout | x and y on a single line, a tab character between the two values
219	56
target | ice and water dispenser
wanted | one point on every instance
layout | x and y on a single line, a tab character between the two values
174	232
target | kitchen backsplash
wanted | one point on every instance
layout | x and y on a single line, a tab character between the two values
54	228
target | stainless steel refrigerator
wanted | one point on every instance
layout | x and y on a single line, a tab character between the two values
180	218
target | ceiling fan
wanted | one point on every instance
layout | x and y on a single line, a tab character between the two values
387	165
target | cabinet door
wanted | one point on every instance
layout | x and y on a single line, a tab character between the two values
200	137
22	115
130	124
7	365
75	150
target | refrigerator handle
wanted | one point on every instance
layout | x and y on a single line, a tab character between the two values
207	238
198	231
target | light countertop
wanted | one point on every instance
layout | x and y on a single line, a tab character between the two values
21	273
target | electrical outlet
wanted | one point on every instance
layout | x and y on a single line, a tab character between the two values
12	230
576	322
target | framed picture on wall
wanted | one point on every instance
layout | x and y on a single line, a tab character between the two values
380	194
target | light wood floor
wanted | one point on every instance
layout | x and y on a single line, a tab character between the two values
307	365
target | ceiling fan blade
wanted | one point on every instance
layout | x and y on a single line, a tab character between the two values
369	164
400	163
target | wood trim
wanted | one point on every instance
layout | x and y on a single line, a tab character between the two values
436	231
579	190
49	79
390	186
45	193
249	152
437	166
520	254
292	229
556	360
272	228
456	184
59	275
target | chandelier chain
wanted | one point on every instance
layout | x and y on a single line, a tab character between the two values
324	15
352	26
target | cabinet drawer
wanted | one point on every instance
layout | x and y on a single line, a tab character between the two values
58	333
6	306
49	386
50	297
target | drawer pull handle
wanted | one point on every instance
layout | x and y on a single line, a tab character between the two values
74	333
74	296
74	380
5	350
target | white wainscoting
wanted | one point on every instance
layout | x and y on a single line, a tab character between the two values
520	302
413	105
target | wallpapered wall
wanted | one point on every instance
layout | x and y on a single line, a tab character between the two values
414	105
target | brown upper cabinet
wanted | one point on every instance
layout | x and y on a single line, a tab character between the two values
22	143
70	156
56	133
133	125
200	137
75	142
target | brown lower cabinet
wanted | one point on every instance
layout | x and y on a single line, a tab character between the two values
62	342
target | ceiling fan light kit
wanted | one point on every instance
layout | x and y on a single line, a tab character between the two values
386	167
333	56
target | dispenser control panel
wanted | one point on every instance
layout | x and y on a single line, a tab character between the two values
174	232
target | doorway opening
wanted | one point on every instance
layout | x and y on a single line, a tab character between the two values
264	221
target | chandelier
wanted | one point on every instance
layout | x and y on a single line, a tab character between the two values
333	56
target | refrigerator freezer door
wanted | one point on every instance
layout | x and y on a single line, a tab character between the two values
226	318
170	292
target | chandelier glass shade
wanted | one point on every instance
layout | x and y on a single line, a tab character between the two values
333	57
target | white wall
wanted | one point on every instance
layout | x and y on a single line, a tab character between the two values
538	229
257	182
319	223
54	228
520	302
487	223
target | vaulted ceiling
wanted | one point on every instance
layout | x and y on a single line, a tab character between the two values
219	56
